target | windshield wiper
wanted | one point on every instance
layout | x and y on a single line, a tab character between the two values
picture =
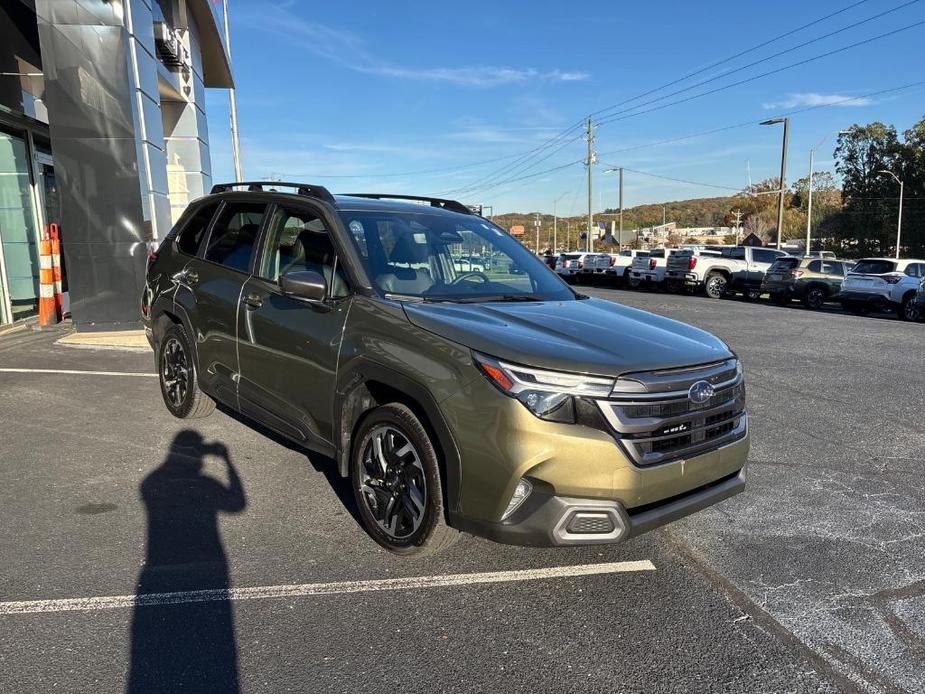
500	297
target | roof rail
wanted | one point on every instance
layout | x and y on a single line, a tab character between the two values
452	205
307	189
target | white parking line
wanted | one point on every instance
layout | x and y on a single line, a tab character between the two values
75	372
305	589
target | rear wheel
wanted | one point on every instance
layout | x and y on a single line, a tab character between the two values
752	295
396	483
715	285
179	378
814	298
633	282
908	310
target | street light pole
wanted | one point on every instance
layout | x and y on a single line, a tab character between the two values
899	221
783	173
809	204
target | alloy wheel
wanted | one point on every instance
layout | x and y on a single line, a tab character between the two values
393	483
716	287
175	372
815	298
911	311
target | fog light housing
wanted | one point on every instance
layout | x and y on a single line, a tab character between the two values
521	492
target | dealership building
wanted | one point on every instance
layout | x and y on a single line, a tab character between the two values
103	134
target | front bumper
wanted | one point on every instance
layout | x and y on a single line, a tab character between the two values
554	521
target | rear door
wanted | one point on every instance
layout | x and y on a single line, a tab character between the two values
213	282
289	347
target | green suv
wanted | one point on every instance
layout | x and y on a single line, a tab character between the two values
496	401
813	281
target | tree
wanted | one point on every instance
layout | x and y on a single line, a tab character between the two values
871	201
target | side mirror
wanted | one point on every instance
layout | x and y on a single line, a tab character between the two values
304	284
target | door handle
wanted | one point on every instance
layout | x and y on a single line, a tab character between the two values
253	301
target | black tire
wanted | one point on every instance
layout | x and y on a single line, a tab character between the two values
907	310
715	285
179	376
815	297
633	282
752	295
405	479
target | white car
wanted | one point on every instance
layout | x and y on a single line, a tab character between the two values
568	265
621	267
883	283
650	270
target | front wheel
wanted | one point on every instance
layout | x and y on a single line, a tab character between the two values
908	310
396	483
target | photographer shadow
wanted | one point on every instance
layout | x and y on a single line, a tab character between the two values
191	646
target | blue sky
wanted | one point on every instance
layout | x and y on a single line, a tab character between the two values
413	97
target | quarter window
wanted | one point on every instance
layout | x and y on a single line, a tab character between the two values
816	266
914	270
234	235
191	235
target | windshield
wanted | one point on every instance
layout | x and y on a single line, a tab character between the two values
438	257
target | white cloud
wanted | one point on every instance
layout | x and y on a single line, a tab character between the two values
816	99
350	51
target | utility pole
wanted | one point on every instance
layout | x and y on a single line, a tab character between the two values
809	204
664	212
589	163
899	221
232	105
536	226
738	214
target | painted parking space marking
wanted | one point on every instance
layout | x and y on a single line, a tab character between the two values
307	589
75	372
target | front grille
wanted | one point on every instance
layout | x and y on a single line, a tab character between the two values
663	424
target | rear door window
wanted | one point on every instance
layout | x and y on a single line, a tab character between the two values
815	266
190	237
763	255
234	235
914	270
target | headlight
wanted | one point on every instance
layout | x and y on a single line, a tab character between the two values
547	394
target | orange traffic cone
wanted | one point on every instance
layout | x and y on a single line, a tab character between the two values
47	313
56	269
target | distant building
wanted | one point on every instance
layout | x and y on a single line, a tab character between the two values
753	240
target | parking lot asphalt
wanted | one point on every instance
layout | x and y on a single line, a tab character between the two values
813	580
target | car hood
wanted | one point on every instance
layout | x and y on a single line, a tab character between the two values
587	336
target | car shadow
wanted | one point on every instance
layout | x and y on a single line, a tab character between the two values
179	643
326	465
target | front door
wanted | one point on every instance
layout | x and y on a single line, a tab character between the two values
216	279
289	347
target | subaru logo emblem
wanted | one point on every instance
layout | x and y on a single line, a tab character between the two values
700	392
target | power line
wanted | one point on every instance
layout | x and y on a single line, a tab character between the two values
617	117
749	65
743	124
681	180
522	163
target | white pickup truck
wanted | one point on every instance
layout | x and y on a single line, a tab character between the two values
720	270
621	267
596	264
649	270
